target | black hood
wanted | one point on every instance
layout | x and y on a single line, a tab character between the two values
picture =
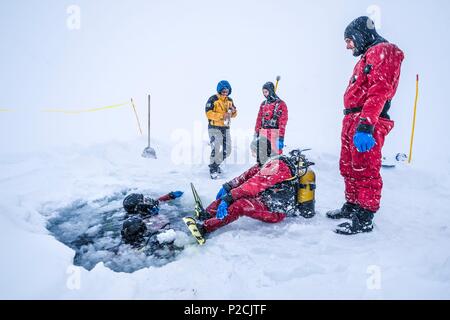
364	35
272	95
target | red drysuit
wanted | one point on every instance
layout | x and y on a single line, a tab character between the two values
265	114
247	190
372	86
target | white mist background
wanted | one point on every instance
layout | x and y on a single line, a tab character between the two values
179	50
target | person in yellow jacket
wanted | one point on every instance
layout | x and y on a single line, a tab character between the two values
219	111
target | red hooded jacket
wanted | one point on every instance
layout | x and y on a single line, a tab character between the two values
266	111
374	81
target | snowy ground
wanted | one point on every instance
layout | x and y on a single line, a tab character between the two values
407	256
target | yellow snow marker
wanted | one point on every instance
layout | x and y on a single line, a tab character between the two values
137	118
276	84
414	120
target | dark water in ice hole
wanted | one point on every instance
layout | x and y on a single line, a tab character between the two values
92	229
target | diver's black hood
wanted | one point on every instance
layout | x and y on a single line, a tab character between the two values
364	35
269	86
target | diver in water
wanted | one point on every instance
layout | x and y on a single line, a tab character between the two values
143	219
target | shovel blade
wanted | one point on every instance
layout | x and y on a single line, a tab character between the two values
149	152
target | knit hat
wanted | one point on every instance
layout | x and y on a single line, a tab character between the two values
224	84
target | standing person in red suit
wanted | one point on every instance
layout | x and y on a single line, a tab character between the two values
366	123
272	118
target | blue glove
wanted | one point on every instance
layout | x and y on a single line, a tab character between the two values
222	211
176	194
221	193
280	143
154	210
363	141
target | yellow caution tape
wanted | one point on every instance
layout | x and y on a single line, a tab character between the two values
87	110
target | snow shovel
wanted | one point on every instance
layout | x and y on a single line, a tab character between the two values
149	152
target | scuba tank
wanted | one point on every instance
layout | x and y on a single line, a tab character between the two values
306	194
306	186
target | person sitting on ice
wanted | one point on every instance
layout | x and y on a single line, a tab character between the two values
140	221
266	192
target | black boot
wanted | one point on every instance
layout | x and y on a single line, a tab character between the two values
361	222
213	171
345	212
307	209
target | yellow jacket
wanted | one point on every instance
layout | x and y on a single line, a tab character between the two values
216	109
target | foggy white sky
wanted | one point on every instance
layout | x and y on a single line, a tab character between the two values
179	50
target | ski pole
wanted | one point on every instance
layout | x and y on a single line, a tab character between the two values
137	118
414	120
148	121
276	84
